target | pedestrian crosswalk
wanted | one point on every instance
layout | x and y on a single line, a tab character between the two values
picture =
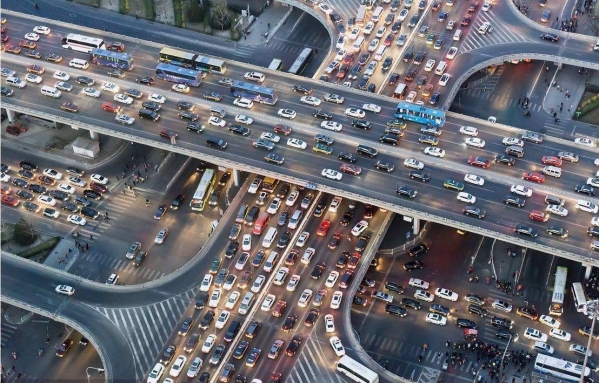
149	327
553	128
312	365
7	330
345	8
123	267
500	33
479	92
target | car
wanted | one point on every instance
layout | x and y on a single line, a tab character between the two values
593	181
332	278
527	313
31	36
586	331
568	156
560	334
516	201
418	283
502	305
110	87
91	92
437	319
406	191
549	321
414	164
585	189
557	230
180	88
584	141
535	335
587	206
479	162
526	230
466	323
222	319
65	290
419	175
475	141
30	77
371	108
534	176
289	323
446	294
253	357
329	323
414	265
317	270
332	174
208	343
331	125
434	151
466	197
355	112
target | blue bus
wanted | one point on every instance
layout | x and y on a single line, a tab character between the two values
116	60
254	92
178	74
192	60
420	114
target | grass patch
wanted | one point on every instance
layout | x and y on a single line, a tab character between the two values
39	249
91	3
149	5
178	13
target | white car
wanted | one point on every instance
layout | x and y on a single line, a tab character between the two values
76	219
334	98
287	113
293	282
412	96
549	321
243	103
32	36
333	66
486	6
534	334
469	131
380	32
54	174
403	14
97	178
337	346
229	282
369	28
268	136
587	206
521	190
46	200
476	142
355	112
332	278
594	220
301	240
296	143
246	243
217	121
414	164
585	142
474	179
222	319
324	7
335	203
336	300
4	177
214	298
451	53
512	141
242	119
370	68
332	174
340	54
359	228
310	100
208	343
65	289
124	119
206	282
232	300
560	334
292	198
355	32
113	279
110	87
430	64
156	373
434	151
424	295
305	298
273	207
194	368
593	181
181	88
466	197
61	76
437	319
372	108
41	30
242	260
502	305
91	92
258	282
559	210
30	77
268	302
329	323
77	181
331	125
444	79
446	294
123	99
157	98
66	188
419	283
373	45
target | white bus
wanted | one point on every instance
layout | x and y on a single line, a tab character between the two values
276	64
559	290
82	43
560	368
580	300
356	371
361	15
198	202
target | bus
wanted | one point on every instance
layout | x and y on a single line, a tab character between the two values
116	60
210	65
420	114
276	64
179	75
269	184
361	16
580	300
560	368
261	94
559	290
302	60
356	371
82	43
192	61
261	223
198	202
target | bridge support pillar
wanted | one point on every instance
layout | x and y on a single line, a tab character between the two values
415	225
236	177
93	135
11	115
587	271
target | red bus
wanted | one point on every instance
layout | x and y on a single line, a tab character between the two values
261	223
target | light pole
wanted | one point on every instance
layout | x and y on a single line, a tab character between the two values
592	306
504	353
100	371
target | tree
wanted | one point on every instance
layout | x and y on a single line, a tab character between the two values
221	18
25	233
195	13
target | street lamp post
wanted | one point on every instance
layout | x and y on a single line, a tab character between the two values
503	356
591	306
100	371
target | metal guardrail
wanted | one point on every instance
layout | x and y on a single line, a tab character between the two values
403	247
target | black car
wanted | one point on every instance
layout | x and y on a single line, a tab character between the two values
85	80
408	56
232	249
349	157
439	309
560	231
26	174
317	270
396	310
151	105
475	298
550	36
218	353
354	72
407	192
362	243
387	166
526	230
342	260
69	206
418	250
284	240
465	323
434	98
289	323
139	258
192	342
160	211
411	303
593	231
501	323
283	218
477	310
324	139
116	73
473	211
359	301
146	80
394	287
242	130
186	326
302	89
184	105
30	206
293	346
362	124
185	114
253	329
23	194
347	216
275	158
364	57
212	96
371	88
168	354
177	202
503	333
224	178
207	319
312	317
504	159
320	208
387	64
92	194
419	175
363	82
19	182
335	18
133	93
585	189
389	138
7	92
195	127
513	200
320	113
394	78
241	349
414	265
201	300
80	200
59	195
36	188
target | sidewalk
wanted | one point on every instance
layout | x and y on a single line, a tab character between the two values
265	26
564	92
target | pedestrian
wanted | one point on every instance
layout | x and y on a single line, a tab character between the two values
138	174
86	246
557	19
545	79
123	191
519	101
19	375
91	236
14	368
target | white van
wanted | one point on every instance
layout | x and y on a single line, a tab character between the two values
596	47
281	276
376	16
358	44
295	219
244	103
50	91
16	82
378	56
552	171
400	90
79	64
246	303
484	28
441	68
457	35
254	76
269	238
270	261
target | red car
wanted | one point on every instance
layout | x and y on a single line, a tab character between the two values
286	130
324	227
388	40
551	160
98	187
35	69
13	49
349	58
110	107
69	107
343	71
10	200
479	161
117	47
538	215
353	261
351	169
534	176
